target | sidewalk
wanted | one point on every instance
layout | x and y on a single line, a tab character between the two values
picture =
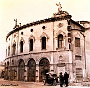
86	84
81	84
76	85
72	85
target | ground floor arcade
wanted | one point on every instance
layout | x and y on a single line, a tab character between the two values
35	72
34	69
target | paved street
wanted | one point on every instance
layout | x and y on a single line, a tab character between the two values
19	84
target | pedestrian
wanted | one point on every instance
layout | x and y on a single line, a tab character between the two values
61	79
66	76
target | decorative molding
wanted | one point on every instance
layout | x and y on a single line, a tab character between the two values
44	35
31	37
60	32
22	40
61	58
60	25
14	42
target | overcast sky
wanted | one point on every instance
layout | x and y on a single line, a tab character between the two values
26	11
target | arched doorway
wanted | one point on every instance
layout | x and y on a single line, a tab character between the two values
44	67
31	70
21	68
6	77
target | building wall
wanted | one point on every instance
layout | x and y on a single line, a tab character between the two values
87	50
60	59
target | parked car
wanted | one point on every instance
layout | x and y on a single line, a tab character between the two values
51	78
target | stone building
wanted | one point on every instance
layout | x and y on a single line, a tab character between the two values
53	44
1	69
86	25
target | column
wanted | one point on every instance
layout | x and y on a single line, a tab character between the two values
64	42
70	67
25	73
51	62
17	73
37	73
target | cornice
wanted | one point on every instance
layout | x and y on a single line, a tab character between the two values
74	22
52	19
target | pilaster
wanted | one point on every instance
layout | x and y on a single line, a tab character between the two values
25	73
37	73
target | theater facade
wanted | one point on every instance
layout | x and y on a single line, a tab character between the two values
53	44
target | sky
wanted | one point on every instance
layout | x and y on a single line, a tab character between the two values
27	11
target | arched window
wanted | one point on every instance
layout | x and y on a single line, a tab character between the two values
60	39
31	45
7	63
12	62
21	46
43	42
8	50
14	49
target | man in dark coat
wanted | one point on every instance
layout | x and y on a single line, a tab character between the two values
61	79
66	76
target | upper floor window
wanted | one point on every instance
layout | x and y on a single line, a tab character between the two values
77	57
43	27
21	33
31	30
21	46
77	42
60	40
31	45
8	50
12	62
14	49
7	63
43	42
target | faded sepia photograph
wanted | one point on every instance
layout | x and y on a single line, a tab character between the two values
44	43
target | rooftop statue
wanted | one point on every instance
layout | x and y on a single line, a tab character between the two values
59	7
16	26
15	21
60	12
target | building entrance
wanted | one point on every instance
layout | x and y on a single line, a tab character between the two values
31	70
61	68
44	67
21	68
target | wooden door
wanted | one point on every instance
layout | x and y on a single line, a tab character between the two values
43	68
21	69
31	70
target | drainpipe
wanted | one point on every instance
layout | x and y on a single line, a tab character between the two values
84	56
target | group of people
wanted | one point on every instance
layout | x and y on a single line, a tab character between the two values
63	79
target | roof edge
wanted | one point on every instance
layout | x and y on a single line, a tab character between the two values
52	19
82	28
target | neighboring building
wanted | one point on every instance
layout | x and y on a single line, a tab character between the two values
86	24
54	44
1	69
